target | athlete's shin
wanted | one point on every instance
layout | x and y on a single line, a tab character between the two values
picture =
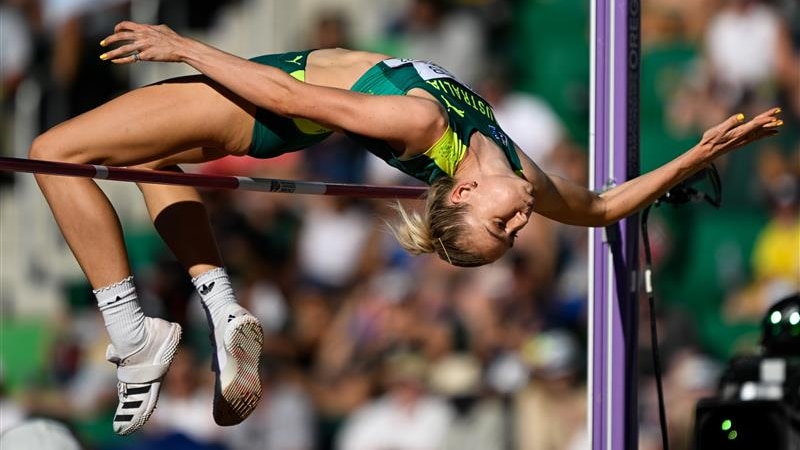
89	225
181	220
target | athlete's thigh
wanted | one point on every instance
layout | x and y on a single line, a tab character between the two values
171	163
155	122
194	155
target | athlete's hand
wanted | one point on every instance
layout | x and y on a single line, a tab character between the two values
735	132
139	42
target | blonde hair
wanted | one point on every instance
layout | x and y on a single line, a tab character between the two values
439	229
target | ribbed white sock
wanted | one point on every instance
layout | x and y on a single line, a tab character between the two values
216	292
123	316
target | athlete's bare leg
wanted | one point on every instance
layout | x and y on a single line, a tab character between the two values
144	125
157	126
181	219
179	215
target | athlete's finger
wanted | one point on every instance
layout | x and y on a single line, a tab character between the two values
117	37
732	122
120	52
743	133
762	120
772	112
120	27
768	129
127	25
125	60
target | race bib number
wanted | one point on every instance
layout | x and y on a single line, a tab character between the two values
426	70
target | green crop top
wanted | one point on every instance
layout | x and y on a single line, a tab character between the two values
467	113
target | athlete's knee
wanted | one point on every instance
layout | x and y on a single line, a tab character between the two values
50	147
41	148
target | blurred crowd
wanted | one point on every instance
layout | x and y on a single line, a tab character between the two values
367	347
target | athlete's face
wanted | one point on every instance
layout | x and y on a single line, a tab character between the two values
499	207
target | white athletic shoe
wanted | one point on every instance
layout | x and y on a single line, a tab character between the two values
140	374
237	356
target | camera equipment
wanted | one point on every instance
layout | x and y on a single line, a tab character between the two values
758	403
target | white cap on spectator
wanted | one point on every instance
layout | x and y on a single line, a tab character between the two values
39	434
552	354
456	375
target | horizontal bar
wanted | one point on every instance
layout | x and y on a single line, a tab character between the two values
209	181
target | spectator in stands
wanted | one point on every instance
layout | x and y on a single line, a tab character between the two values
762	67
434	30
551	410
407	417
762	59
479	420
775	259
182	408
41	434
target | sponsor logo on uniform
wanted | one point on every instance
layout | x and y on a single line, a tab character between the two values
498	135
296	60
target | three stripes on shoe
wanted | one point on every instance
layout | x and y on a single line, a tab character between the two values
132	404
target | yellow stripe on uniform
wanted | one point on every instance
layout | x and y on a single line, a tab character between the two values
447	152
305	125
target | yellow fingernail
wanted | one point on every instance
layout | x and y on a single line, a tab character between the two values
103	43
777	110
104	56
778	123
740	117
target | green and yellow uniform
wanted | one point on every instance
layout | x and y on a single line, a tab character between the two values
467	113
275	135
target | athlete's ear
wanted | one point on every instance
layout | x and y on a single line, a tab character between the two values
462	191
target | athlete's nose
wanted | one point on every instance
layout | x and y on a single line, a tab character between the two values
518	222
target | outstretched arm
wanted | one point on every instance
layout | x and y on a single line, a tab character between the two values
561	200
412	123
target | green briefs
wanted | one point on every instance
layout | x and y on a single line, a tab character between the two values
273	134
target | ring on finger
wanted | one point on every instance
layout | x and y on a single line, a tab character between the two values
136	57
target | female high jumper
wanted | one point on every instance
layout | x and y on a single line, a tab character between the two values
413	114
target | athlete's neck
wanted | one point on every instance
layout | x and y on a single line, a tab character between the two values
482	158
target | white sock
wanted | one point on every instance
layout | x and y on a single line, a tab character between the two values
216	292
123	316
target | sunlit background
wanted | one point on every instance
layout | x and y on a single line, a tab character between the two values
367	347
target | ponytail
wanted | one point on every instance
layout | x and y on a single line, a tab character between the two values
439	230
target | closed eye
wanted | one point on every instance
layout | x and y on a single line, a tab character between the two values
499	233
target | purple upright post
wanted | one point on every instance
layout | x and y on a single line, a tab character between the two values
613	159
